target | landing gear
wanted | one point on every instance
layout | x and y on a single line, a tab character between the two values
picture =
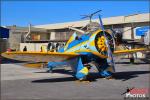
132	60
50	68
43	65
82	74
109	77
49	71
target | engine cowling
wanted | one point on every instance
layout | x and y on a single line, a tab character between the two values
100	42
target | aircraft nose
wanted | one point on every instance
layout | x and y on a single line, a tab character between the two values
101	44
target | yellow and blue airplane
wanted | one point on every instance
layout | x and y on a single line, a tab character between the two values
81	53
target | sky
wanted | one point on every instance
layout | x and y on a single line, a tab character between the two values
21	13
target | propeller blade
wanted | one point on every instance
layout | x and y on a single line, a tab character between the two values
109	52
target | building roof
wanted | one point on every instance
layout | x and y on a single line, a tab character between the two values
107	21
26	29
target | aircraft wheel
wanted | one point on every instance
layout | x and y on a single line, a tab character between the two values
49	71
132	60
83	79
44	65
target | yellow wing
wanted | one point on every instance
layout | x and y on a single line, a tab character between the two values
130	51
57	56
39	56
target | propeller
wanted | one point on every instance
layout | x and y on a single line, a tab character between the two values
116	34
118	37
109	52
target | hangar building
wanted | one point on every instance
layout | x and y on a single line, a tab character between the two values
59	32
122	23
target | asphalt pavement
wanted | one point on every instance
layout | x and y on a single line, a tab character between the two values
22	83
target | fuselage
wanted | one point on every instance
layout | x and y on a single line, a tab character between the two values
94	42
87	43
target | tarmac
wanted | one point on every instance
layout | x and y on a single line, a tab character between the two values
22	83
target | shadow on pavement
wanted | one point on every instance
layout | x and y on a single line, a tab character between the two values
60	71
65	79
92	77
8	61
140	61
136	63
129	75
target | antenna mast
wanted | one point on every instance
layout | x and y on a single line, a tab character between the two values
90	15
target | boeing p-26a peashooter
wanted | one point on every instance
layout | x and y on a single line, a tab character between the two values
93	48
